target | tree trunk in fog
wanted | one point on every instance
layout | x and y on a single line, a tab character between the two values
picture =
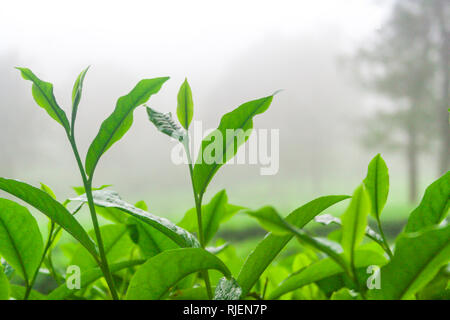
412	158
444	158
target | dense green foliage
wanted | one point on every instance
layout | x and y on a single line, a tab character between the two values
139	255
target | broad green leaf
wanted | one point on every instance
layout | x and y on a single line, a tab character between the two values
110	199
155	277
327	219
227	289
217	211
417	259
76	94
150	240
20	239
222	144
345	294
4	285
43	95
270	220
354	221
164	123
120	121
323	269
51	208
434	206
141	205
18	292
377	185
185	107
116	242
267	250
89	277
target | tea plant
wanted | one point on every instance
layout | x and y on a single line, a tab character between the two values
139	255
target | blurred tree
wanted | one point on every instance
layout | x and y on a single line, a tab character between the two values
409	65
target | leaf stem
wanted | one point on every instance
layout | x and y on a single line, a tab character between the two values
198	206
103	262
386	244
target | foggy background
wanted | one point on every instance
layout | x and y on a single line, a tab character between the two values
231	52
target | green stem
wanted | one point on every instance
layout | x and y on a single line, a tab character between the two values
47	246
198	206
103	263
386	244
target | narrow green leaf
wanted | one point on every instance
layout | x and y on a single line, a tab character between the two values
51	208
267	250
110	199
89	277
120	121
323	269
377	185
165	124
20	239
4	285
227	289
417	259
354	221
434	206
155	277
43	95
76	94
225	141
185	107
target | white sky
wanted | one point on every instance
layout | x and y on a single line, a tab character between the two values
202	34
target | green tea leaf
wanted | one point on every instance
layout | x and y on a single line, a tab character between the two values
417	259
345	294
120	121
76	94
4	285
354	221
225	141
110	199
89	277
51	208
323	269
195	293
434	206
43	95
377	185
150	240
18	292
20	239
116	242
164	123
227	289
327	219
155	277
185	107
267	250
270	220
217	211
48	190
